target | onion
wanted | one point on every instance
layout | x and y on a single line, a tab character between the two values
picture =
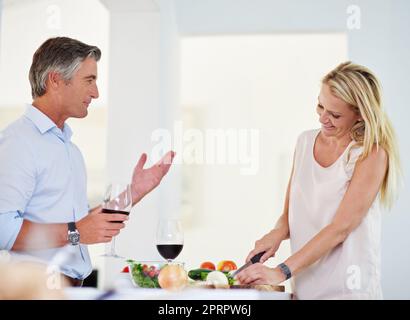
173	277
218	279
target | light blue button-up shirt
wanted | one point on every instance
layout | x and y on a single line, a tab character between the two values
42	179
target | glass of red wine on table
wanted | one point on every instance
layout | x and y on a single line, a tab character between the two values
170	238
117	200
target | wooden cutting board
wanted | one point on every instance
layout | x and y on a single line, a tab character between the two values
260	287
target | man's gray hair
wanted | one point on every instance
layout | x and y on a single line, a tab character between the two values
62	55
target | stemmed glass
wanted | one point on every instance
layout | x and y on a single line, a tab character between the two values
118	200
170	238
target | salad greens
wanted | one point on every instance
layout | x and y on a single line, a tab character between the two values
143	275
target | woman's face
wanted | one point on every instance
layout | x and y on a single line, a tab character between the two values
335	115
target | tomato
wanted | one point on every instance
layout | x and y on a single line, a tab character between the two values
207	265
126	269
226	266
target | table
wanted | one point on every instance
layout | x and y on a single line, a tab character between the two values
186	294
124	289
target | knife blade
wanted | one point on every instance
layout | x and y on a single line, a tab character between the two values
255	259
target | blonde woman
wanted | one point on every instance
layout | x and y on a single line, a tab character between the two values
341	174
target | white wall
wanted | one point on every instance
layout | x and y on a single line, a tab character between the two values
133	90
1	9
382	43
387	51
142	98
169	99
27	24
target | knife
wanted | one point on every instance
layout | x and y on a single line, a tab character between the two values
255	259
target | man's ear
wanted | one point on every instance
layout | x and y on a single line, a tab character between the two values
54	80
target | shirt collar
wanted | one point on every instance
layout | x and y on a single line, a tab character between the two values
44	123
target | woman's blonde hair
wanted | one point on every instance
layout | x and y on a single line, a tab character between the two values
359	87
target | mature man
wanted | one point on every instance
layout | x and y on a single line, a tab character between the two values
42	173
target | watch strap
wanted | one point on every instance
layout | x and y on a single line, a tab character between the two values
285	270
72	227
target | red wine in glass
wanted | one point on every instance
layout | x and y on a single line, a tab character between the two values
170	238
104	210
117	199
169	251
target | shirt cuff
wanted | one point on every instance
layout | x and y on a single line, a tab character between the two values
10	225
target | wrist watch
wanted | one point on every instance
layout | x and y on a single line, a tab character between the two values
285	270
73	235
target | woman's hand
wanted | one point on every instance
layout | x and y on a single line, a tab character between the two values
260	274
270	243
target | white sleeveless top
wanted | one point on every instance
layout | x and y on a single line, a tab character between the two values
352	269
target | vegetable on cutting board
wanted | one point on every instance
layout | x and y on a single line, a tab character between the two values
226	266
217	278
202	274
207	265
199	274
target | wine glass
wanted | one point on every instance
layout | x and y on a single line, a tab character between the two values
170	238
117	199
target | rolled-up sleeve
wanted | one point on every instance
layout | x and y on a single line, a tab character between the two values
10	225
17	182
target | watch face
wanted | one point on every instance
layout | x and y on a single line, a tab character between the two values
74	237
